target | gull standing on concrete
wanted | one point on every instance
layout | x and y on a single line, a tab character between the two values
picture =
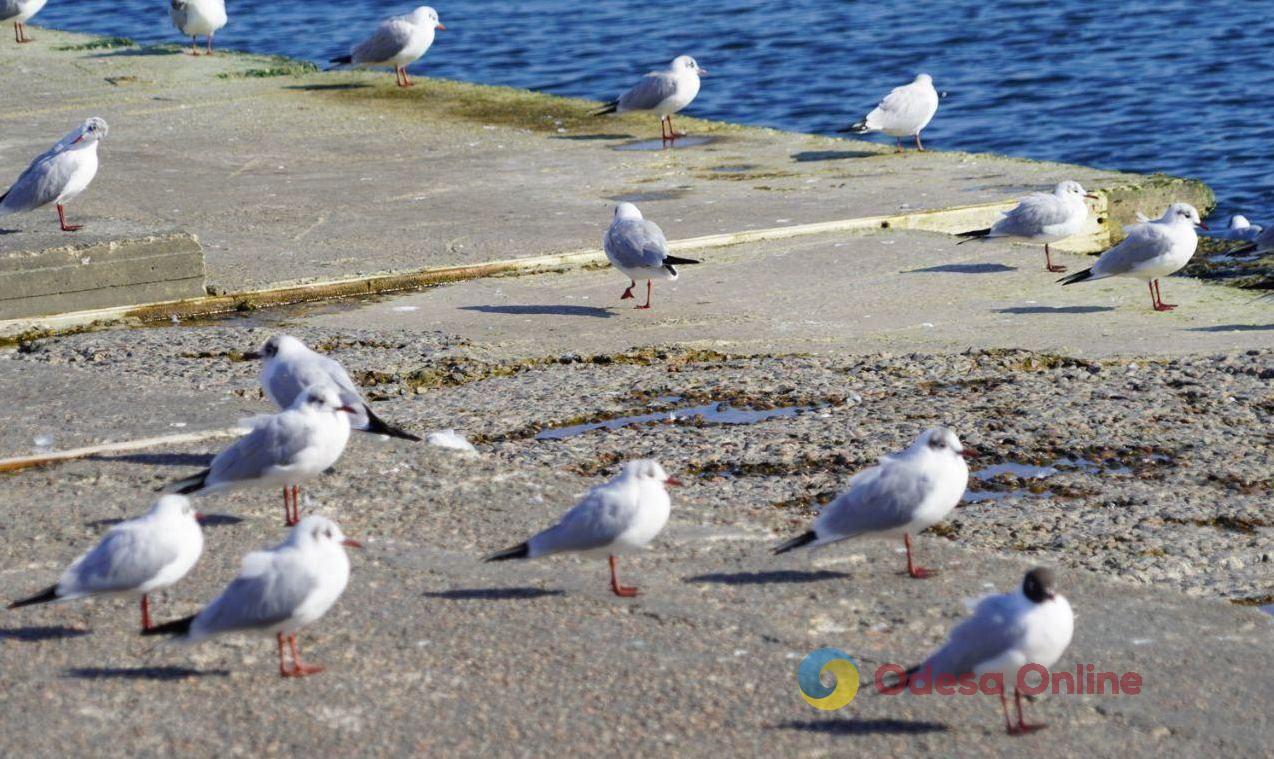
1041	217
283	449
198	18
664	92
621	516
1032	625
136	557
397	42
639	249
1152	249
58	175
904	112
289	367
278	592
19	12
906	492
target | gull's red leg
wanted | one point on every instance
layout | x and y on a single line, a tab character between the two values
145	612
673	133
663	128
194	46
62	220
1022	727
919	573
900	148
1159	304
1004	704
20	32
647	305
209	44
283	670
629	292
1048	262
287	509
296	505
300	669
623	591
919	146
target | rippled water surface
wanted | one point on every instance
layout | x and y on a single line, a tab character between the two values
1162	85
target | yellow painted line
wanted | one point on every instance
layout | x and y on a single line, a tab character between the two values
19	463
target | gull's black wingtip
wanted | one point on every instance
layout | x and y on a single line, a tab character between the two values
973	234
803	539
678	260
519	551
342	60
191	484
378	426
1078	276
176	627
48	594
611	107
858	127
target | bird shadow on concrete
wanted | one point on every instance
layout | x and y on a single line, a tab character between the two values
766	578
326	87
588	137
1233	328
142	673
963	269
9	231
209	520
148	50
493	594
1054	310
865	726
159	459
558	310
808	156
36	634
680	143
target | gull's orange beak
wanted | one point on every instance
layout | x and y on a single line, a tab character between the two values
350	543
1091	196
199	517
968	452
673	481
440	26
1202	225
348	409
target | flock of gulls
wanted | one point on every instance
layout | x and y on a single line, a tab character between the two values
283	589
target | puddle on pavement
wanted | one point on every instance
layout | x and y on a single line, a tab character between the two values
1268	609
712	413
677	144
1036	472
1025	471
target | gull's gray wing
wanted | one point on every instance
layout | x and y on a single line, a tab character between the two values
269	589
993	629
1144	243
8	9
286	379
1031	216
635	243
178	14
39	185
603	514
388	40
125	559
275	441
653	89
881	498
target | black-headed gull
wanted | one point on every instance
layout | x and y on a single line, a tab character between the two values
638	248
278	592
664	92
58	175
283	449
136	557
906	492
289	367
1263	243
1031	625
397	42
904	112
198	18
620	516
1152	249
19	12
1041	217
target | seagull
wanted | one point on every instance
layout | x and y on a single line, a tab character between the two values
1263	243
905	493
639	249
278	592
19	12
58	175
1032	625
198	18
289	367
904	112
136	557
283	449
621	516
1041	217
1151	250
1239	229
397	42
664	92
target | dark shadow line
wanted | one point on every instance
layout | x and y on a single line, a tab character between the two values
806	156
493	594
1233	328
1054	310
141	673
764	578
158	459
35	634
964	269
560	310
841	726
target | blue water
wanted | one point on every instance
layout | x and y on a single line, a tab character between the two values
1142	85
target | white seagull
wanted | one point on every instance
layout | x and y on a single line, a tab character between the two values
58	175
1031	625
1239	228
19	12
621	516
278	592
1041	217
904	112
906	492
1263	243
136	557
1152	249
397	42
289	367
283	449
198	18
638	248
664	92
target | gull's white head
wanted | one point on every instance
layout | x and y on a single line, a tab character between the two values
627	211
277	345
1179	213
323	397
175	507
939	441
1239	221
426	17
322	532
684	64
923	79
1071	189
86	134
647	470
